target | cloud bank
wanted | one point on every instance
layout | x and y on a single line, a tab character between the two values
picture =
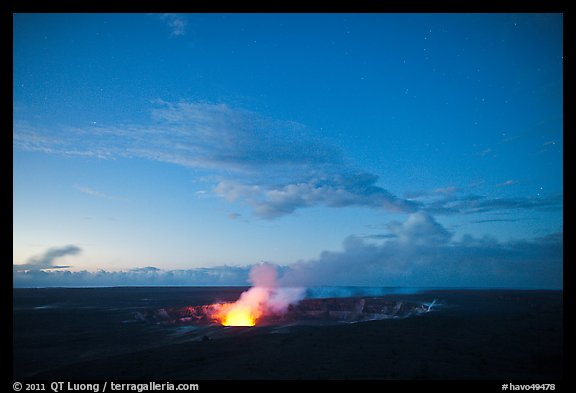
149	276
421	253
418	252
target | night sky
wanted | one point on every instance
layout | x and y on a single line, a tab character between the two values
349	149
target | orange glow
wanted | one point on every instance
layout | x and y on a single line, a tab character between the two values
237	315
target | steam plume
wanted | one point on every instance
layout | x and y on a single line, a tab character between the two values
263	299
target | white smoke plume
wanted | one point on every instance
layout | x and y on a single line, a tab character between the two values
265	297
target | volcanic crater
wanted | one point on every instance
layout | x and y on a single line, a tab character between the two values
307	311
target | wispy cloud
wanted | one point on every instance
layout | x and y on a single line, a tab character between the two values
550	146
446	190
147	269
460	200
198	135
176	23
46	260
477	183
471	204
275	167
502	220
92	192
234	216
507	183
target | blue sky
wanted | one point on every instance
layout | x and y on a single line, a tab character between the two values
210	142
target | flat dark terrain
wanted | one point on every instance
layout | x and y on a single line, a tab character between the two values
475	334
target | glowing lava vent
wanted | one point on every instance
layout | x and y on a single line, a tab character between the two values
237	315
262	300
